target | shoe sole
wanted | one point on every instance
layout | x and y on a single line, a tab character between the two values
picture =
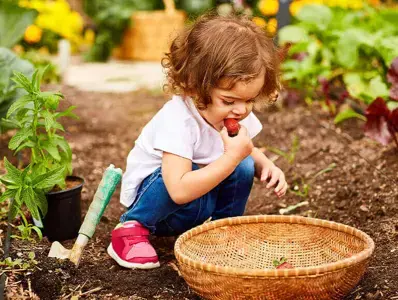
125	264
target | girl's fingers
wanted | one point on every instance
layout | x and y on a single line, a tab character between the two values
280	185
265	175
273	180
281	192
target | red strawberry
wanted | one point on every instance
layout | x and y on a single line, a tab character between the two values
232	126
285	265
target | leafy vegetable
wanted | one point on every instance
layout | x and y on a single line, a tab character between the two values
381	124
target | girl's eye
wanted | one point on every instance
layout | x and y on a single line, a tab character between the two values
251	101
228	103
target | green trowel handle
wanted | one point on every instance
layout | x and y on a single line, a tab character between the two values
105	190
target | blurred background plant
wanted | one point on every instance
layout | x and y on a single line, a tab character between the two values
55	21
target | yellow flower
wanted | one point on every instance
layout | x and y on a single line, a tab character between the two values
356	4
33	34
272	25
268	7
260	22
295	7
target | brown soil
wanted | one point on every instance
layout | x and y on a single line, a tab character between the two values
70	183
360	191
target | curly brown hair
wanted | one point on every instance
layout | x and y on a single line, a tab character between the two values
216	47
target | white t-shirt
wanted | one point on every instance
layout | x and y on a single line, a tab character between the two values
177	128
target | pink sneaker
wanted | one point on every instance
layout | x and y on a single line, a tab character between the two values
130	247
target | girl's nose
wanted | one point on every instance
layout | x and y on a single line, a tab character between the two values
239	109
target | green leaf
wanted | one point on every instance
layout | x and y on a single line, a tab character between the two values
13	209
348	114
27	144
17	105
22	135
51	149
29	198
293	34
41	201
13	174
38	231
67	113
23	82
392	105
49	179
387	47
377	88
354	83
39	77
8	194
31	255
318	16
58	126
48	119
63	144
13	22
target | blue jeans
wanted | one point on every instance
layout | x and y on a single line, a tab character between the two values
155	210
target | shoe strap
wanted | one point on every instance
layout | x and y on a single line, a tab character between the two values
130	231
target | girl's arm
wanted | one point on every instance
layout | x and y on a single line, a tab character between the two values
185	185
260	161
268	173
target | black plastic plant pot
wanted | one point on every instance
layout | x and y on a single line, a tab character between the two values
63	219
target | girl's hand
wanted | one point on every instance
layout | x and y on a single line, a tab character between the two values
239	146
276	177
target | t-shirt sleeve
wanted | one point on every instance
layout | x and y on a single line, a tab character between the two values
175	135
253	125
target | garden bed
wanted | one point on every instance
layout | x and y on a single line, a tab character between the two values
348	178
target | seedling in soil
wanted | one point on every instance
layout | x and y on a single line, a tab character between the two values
302	190
26	230
290	155
18	263
282	264
326	170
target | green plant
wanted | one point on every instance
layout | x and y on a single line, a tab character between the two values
300	189
27	229
18	263
10	63
28	187
35	116
290	155
13	22
351	48
111	18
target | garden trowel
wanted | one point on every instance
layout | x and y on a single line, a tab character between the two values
105	190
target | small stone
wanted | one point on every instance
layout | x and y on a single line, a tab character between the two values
364	208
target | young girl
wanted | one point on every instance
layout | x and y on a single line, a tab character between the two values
184	167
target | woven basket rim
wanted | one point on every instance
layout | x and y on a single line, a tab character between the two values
301	271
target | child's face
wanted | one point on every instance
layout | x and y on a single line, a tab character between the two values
236	103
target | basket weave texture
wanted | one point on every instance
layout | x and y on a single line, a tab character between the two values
151	33
232	258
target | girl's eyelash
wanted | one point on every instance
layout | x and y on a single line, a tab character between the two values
232	102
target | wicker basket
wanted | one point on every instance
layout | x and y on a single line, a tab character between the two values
151	33
232	258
